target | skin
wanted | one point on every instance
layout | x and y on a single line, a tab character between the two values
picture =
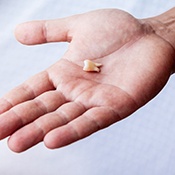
64	103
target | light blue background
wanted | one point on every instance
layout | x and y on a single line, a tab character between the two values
143	144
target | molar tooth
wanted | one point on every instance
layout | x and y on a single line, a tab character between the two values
90	66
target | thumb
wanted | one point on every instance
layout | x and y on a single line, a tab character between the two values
38	32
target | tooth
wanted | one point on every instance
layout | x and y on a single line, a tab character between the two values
90	66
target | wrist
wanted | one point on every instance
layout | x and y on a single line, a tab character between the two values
164	26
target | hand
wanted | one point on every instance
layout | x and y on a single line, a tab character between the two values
64	103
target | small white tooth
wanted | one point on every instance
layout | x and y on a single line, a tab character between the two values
90	66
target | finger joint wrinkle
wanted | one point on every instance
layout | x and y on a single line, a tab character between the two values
44	32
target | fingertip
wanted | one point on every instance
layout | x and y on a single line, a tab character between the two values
30	33
50	142
25	138
14	145
58	138
18	32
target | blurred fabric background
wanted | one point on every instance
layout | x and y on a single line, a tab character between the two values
142	144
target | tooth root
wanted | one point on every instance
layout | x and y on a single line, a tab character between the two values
91	66
96	69
98	64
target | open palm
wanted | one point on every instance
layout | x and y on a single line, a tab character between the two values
64	103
